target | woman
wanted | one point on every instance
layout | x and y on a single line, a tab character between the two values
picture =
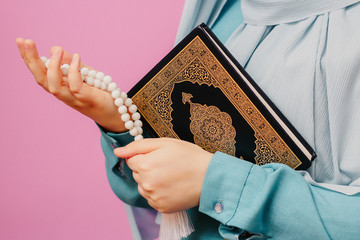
305	56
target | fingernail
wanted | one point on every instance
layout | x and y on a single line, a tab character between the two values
27	45
119	150
56	53
75	58
17	42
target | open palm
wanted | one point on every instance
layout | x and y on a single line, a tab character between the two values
90	101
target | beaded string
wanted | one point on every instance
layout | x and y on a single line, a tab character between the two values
104	82
174	226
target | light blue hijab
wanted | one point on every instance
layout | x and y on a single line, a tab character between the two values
305	55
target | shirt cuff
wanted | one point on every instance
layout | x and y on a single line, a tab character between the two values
109	142
223	185
116	139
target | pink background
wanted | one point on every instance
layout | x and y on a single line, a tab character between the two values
52	175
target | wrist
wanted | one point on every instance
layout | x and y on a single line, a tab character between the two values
109	123
204	164
115	126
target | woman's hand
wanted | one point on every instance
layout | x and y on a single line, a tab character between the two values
169	172
90	101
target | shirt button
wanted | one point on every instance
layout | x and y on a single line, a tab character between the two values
218	208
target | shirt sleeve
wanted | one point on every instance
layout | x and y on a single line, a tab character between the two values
275	201
118	173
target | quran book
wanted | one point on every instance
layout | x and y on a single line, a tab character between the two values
199	93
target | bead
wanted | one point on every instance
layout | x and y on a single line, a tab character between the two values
140	130
138	137
133	132
107	79
124	95
129	124
112	86
100	75
132	108
84	71
119	102
92	73
47	63
125	117
122	109
128	102
65	69
138	123
116	94
104	82
103	86
135	116
90	81
44	59
97	83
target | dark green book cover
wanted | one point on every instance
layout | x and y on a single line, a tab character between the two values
201	94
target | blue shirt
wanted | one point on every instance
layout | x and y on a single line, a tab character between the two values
305	55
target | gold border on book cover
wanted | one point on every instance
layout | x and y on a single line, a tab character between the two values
195	63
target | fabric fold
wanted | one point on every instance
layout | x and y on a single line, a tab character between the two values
273	12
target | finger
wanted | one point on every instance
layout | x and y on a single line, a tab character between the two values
142	192
74	76
136	177
54	73
35	64
21	46
134	162
82	92
154	203
30	50
30	55
57	86
140	147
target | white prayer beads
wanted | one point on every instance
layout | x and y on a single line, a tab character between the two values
65	69
126	107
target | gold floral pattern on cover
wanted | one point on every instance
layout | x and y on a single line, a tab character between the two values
212	129
195	63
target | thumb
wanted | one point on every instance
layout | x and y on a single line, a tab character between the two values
140	147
